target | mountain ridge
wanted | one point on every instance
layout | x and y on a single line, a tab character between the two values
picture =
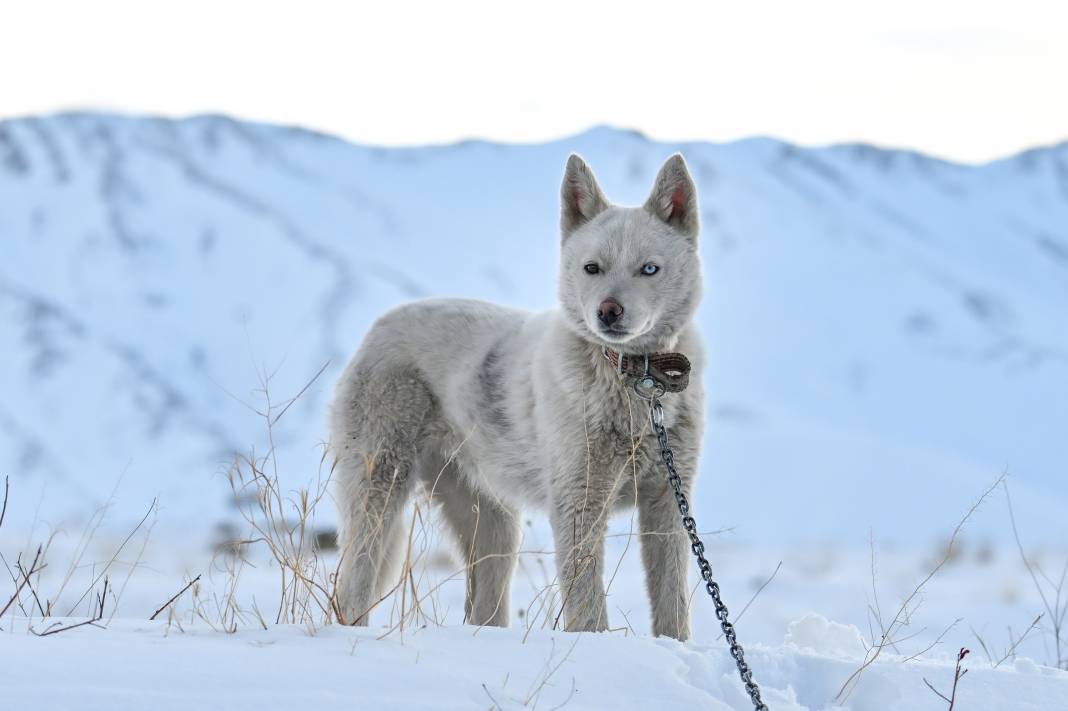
317	134
866	308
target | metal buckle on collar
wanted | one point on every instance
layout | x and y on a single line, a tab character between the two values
646	386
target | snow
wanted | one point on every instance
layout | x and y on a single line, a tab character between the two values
804	635
818	634
887	334
137	665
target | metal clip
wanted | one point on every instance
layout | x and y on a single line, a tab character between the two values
647	387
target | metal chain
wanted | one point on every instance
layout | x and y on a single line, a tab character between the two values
656	416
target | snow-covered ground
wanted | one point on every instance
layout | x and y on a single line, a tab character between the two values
887	333
141	665
806	632
199	655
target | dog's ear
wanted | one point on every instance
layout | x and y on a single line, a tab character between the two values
581	198
674	196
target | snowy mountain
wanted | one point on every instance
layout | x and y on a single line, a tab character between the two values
887	332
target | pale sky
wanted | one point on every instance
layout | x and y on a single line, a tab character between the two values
967	80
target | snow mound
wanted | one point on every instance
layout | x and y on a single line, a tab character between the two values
816	633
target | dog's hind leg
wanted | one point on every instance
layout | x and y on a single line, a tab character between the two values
373	495
377	425
487	533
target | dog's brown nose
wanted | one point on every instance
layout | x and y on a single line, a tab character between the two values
609	311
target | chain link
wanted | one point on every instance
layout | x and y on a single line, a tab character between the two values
656	416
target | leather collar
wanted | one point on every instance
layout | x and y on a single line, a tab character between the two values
670	370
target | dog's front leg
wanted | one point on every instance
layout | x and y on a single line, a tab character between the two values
579	516
665	548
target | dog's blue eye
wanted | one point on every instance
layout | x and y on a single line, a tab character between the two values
650	269
592	268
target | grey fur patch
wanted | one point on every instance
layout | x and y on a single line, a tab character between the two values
491	385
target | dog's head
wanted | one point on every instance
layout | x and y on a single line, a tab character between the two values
629	277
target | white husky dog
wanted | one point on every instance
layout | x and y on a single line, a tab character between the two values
496	409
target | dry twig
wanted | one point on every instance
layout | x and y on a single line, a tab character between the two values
55	627
958	674
7	488
177	595
24	582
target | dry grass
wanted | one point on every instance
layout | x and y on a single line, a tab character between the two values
530	698
284	524
36	605
1014	642
1052	592
281	522
892	634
